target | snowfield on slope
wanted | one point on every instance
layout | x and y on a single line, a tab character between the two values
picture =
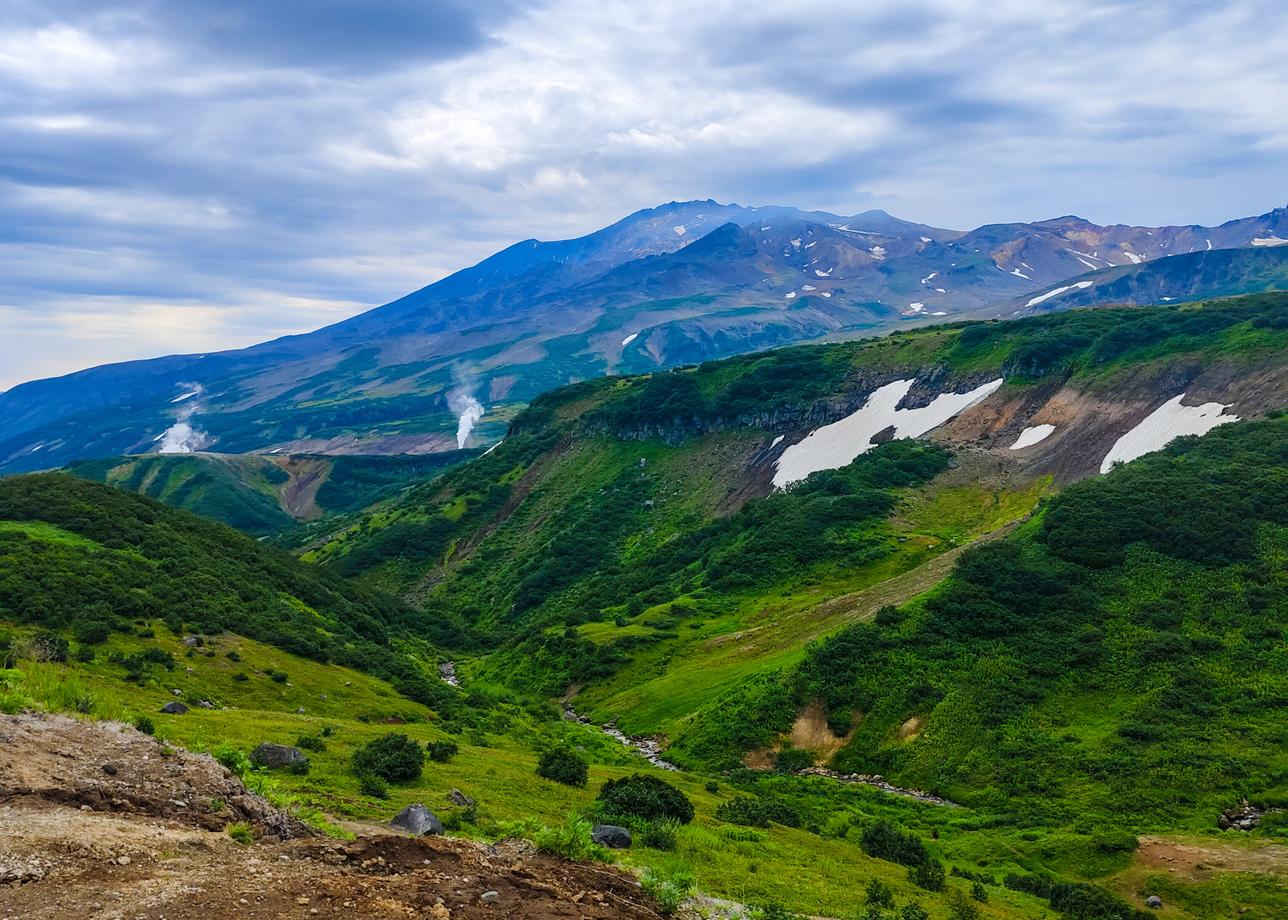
1030	436
833	446
1169	421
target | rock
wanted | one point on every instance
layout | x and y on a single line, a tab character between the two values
456	797
174	708
109	769
190	641
612	836
489	897
1153	902
205	704
176	692
276	755
417	820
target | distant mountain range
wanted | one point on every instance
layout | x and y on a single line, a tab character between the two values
677	284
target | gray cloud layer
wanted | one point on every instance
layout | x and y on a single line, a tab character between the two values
184	176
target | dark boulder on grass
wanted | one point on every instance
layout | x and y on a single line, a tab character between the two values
417	820
1153	902
275	756
611	836
174	708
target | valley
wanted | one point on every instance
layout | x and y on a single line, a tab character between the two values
1075	663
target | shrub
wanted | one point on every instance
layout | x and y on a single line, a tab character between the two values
913	911
885	840
757	812
393	757
571	840
84	654
928	875
712	786
563	766
979	892
312	743
241	833
372	785
91	632
959	908
662	834
279	677
240	677
792	760
441	751
879	894
233	655
641	796
773	912
144	724
232	759
668	889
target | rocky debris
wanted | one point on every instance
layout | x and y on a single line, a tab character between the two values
275	756
456	797
56	759
490	897
205	704
1153	902
1243	818
650	748
417	820
447	671
174	708
20	871
877	781
611	836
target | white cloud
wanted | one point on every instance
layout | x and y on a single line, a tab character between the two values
143	159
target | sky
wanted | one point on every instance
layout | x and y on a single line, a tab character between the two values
183	176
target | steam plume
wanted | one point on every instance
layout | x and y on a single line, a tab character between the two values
467	410
183	437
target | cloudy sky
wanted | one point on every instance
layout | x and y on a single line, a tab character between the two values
180	175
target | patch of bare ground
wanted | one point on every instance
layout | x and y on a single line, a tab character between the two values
1195	861
78	841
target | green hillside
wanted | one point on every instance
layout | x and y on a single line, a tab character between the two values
92	560
266	495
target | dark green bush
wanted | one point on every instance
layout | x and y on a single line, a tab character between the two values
144	724
563	766
757	812
441	751
393	757
887	841
928	875
642	796
312	743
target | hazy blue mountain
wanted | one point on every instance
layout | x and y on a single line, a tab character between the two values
676	284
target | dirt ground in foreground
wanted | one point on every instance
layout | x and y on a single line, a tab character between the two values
96	822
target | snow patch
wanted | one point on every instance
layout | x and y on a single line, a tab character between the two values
1032	435
1136	260
878	252
184	396
825	293
776	441
833	446
940	313
1019	274
630	338
1060	290
1169	421
824	274
790	294
808	287
680	231
1269	241
796	243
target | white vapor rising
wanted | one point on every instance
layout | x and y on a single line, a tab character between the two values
183	437
467	410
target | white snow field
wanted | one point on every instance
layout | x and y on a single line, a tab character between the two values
630	338
1060	290
1032	435
833	446
1169	421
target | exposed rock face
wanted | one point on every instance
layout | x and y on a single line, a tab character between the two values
417	820
274	756
612	836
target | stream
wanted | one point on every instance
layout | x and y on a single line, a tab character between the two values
647	748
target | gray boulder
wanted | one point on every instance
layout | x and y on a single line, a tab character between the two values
417	820
174	708
1153	902
611	836
274	756
456	797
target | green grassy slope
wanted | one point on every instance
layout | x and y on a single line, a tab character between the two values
79	556
266	495
1118	659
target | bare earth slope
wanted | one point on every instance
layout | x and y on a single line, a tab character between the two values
99	821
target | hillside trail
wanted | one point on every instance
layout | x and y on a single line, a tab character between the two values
102	822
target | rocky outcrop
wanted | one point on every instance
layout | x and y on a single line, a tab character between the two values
275	756
417	820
